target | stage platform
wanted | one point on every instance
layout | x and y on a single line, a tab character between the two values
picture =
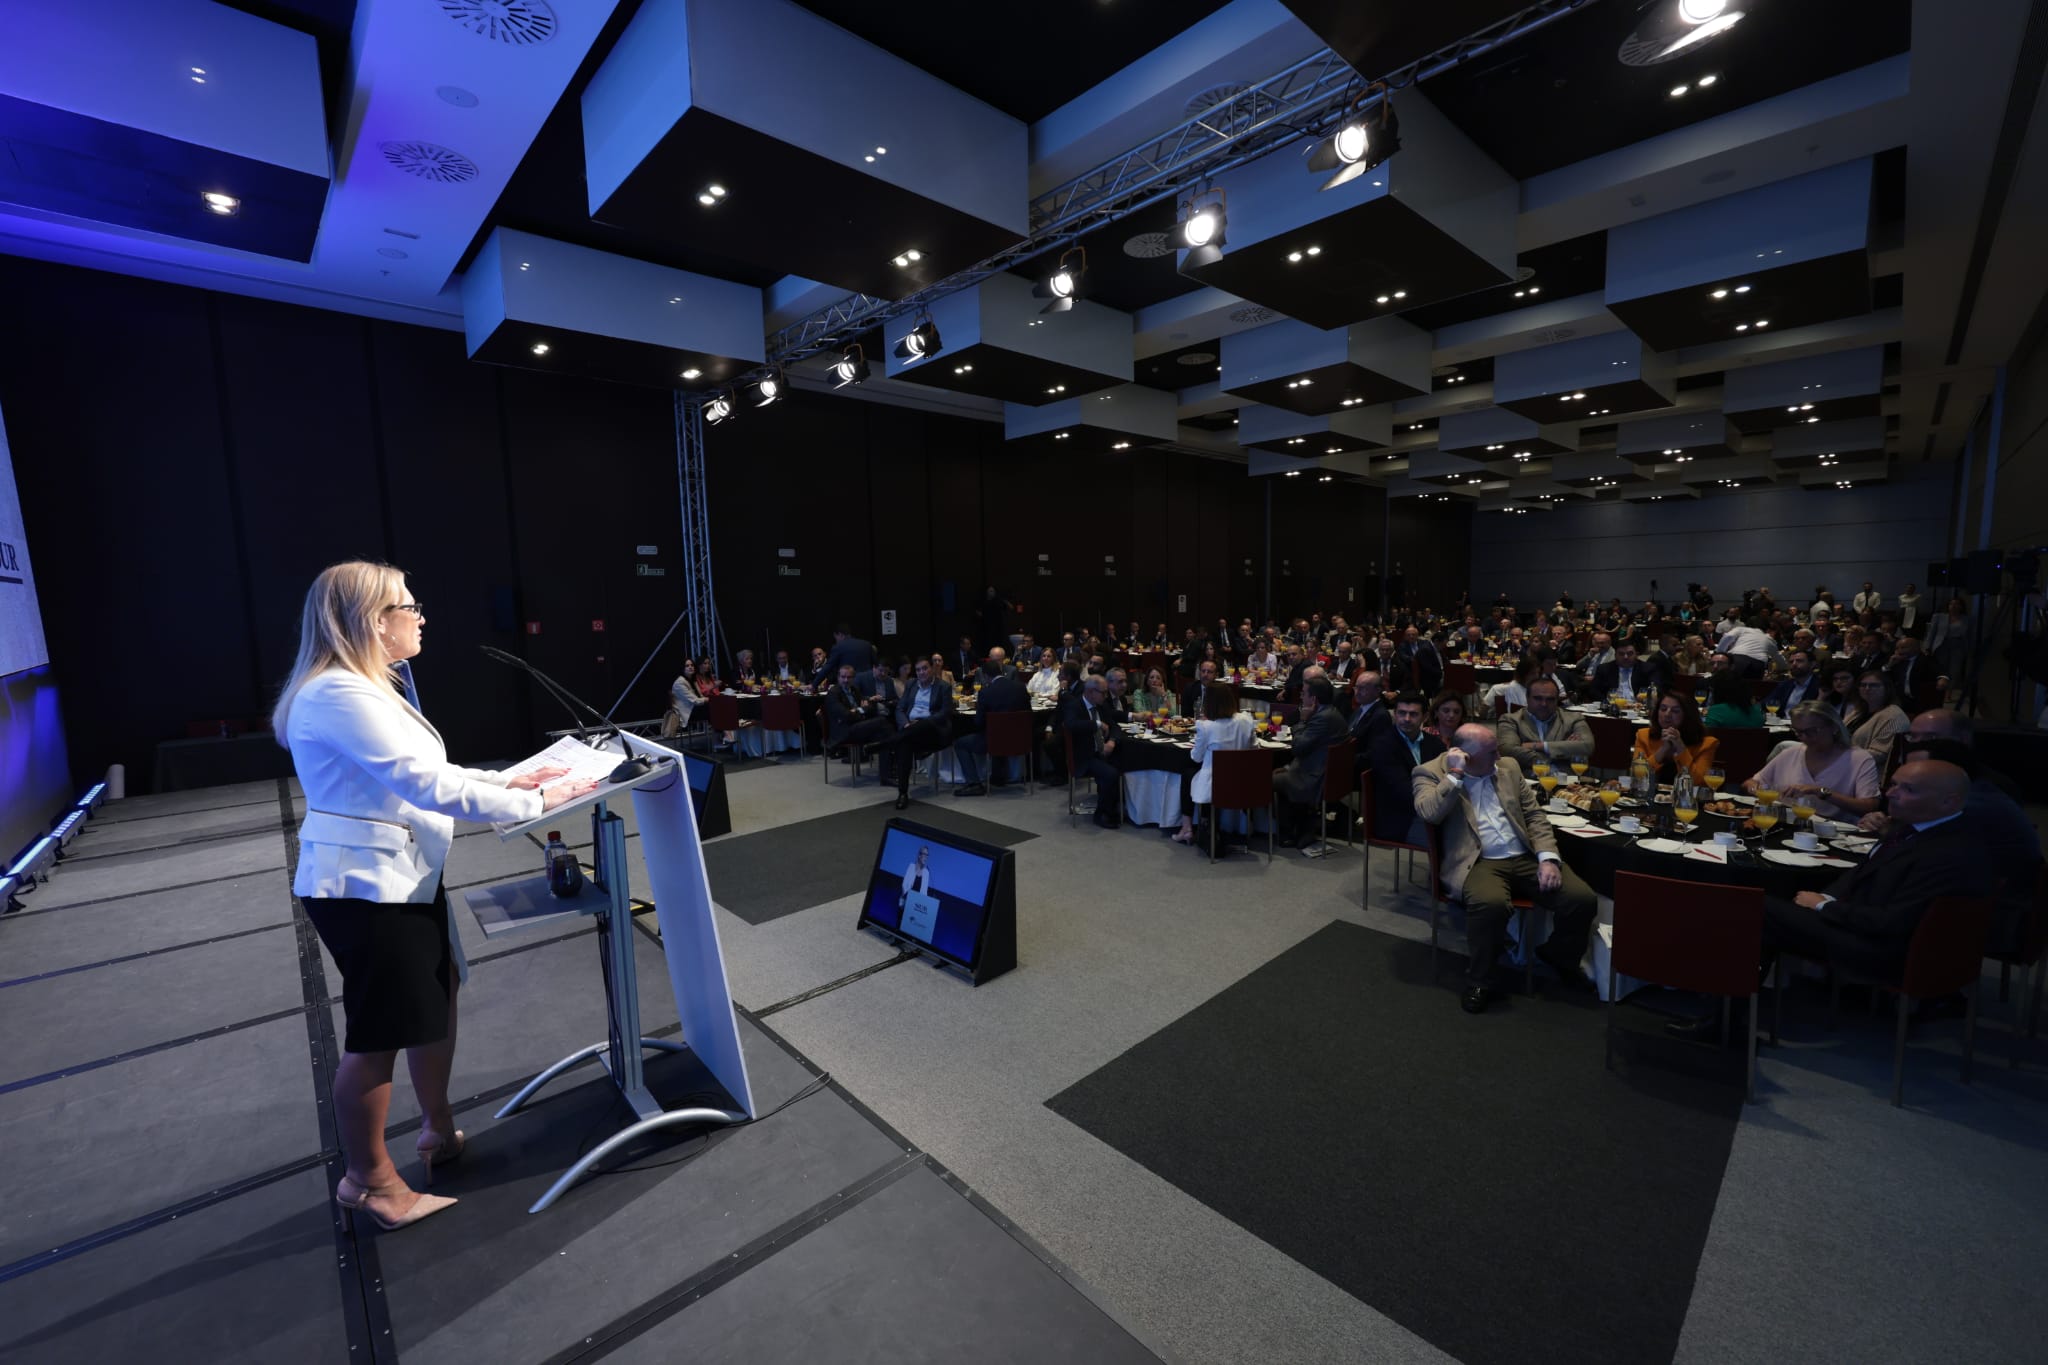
170	1026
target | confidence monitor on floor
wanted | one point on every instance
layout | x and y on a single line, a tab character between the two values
951	898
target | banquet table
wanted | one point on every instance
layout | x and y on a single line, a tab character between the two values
1153	766
755	742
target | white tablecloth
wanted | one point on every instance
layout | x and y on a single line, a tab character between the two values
755	742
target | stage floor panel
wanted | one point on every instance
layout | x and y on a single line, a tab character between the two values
33	944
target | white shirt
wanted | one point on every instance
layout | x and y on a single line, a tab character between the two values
1044	683
1909	610
1497	836
1868	601
1749	642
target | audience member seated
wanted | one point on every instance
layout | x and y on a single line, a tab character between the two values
1446	713
744	674
1397	750
1299	785
1156	696
1841	779
996	665
1865	920
854	718
2011	841
1191	696
1497	845
1504	696
1626	675
1676	739
1915	677
1801	683
683	698
820	675
783	671
1116	695
965	660
1732	701
924	716
1368	714
1046	681
1001	693
1882	718
1544	732
1091	729
1220	726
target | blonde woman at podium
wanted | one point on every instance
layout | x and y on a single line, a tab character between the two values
382	800
917	879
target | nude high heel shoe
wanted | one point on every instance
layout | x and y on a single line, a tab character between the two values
435	1150
353	1198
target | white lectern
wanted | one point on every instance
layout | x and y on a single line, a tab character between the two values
689	942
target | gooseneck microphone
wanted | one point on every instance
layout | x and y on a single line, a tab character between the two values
631	769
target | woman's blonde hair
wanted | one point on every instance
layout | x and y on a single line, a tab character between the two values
338	629
1826	715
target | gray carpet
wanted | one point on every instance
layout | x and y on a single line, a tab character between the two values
776	872
1295	1102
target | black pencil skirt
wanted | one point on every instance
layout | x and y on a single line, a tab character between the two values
397	970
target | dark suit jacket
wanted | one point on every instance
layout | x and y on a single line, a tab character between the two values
1367	726
852	650
1088	738
1428	664
1001	694
1781	695
1914	682
1393	798
1301	781
1191	700
1397	674
984	675
1643	678
843	712
941	703
1885	898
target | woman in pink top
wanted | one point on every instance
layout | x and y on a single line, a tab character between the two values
1841	778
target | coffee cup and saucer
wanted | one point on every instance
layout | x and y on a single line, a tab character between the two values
1628	824
1560	806
1726	838
1806	841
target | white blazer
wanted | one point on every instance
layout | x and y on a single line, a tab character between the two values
1211	735
382	798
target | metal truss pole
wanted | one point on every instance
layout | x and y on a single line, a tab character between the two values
700	604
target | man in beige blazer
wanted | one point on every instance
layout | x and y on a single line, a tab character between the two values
1541	731
1497	845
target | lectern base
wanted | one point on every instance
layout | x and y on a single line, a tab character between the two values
648	1113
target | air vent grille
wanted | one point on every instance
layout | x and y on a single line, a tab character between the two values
429	161
521	23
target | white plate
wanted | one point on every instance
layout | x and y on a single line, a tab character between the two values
1787	858
1663	845
1739	798
1566	821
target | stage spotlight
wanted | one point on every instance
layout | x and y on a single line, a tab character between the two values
1200	232
851	367
920	342
1063	286
1358	145
718	409
769	390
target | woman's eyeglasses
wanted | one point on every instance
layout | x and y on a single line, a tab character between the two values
416	608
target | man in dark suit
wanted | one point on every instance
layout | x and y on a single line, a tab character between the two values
1800	683
1427	661
1001	693
852	718
1914	677
1398	750
996	665
1089	725
820	674
966	658
1191	698
1368	711
924	719
1626	674
1397	673
1068	651
1866	918
848	648
1299	785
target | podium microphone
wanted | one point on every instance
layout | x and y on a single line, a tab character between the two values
631	769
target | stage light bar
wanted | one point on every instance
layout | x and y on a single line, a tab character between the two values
1358	145
1200	231
1063	286
67	828
920	342
851	367
94	795
40	855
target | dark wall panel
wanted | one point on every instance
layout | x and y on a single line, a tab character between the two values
114	419
304	452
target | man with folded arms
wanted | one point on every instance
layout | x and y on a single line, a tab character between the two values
1542	732
1497	845
1865	919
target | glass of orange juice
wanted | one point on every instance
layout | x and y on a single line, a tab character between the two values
1803	808
1609	794
1541	767
1767	815
1548	781
1716	776
1766	795
1686	814
1579	766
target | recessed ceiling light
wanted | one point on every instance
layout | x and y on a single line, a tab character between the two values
199	80
1521	293
1806	407
1742	327
1294	473
1400	293
675	298
693	374
1061	435
1742	289
526	265
1678	90
199	71
1297	440
1121	445
1385	298
711	194
1415	426
1333	450
1325	479
870	158
1763	322
1294	255
1535	289
1706	81
1315	251
1720	293
226	205
1812	420
540	348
